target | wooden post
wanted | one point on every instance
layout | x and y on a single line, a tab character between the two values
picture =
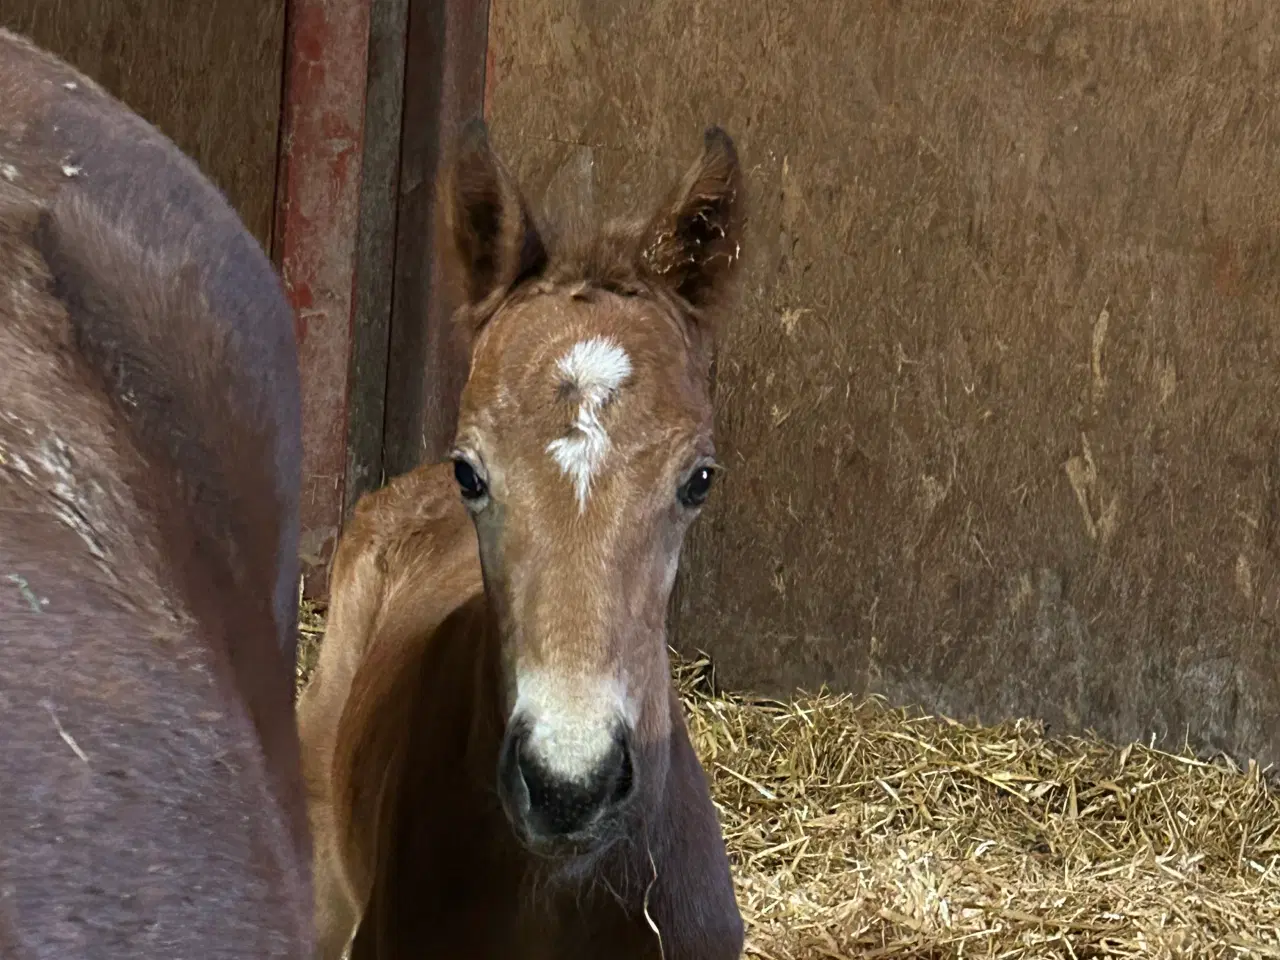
318	203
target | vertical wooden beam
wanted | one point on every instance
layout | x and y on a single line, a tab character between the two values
318	209
444	87
376	248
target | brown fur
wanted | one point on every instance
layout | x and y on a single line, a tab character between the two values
149	478
406	720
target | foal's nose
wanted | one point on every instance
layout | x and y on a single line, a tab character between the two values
548	804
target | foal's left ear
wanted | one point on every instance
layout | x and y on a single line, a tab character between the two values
494	236
693	242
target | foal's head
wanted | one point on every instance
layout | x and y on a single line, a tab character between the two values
583	452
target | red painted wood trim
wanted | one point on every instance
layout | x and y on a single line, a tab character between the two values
316	223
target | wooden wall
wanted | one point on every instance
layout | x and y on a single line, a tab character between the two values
1001	405
208	74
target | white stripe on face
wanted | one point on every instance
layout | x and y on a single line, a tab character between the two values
596	368
573	721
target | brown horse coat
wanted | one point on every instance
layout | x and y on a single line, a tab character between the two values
150	801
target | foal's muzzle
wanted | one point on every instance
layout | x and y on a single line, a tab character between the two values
547	808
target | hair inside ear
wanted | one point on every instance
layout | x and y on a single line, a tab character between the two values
694	240
495	238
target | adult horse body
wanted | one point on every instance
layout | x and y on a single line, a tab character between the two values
150	793
497	763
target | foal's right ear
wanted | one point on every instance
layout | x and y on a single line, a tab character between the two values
495	239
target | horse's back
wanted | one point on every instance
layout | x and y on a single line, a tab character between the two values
149	475
118	195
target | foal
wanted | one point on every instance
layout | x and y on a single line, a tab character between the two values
151	802
496	760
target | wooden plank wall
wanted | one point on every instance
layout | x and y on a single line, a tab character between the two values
999	403
375	247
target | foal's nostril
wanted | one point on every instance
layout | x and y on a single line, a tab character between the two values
511	782
625	779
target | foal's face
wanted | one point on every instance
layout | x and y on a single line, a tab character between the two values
584	451
583	454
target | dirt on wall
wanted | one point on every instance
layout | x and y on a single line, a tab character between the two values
208	74
1001	404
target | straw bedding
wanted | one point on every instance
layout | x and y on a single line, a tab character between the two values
857	830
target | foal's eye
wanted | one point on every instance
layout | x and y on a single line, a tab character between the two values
693	493
469	482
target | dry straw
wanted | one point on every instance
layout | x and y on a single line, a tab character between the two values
861	831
